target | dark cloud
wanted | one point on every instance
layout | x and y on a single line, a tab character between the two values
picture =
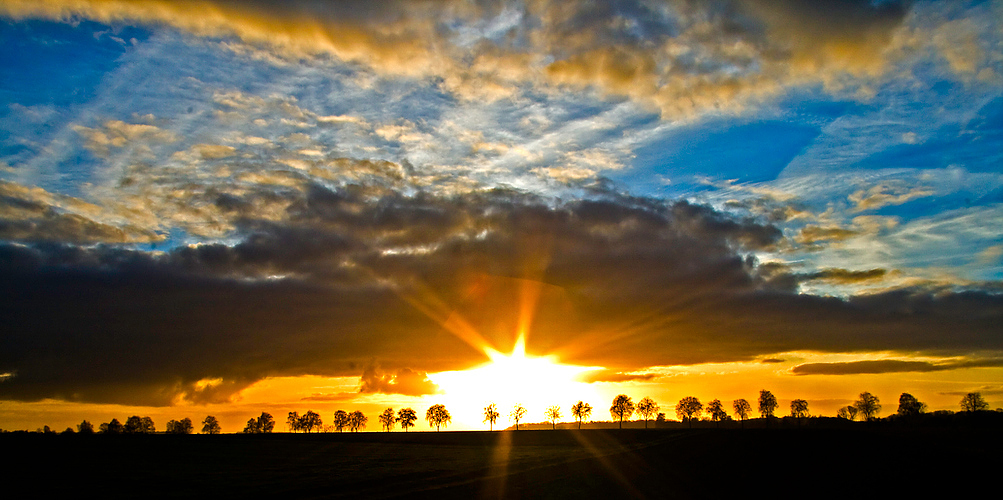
771	360
889	366
845	276
612	376
405	381
421	283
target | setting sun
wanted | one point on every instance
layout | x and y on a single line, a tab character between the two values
535	382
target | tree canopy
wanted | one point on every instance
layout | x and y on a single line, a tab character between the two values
341	420
210	425
581	411
621	408
406	417
438	416
767	404
647	408
688	408
491	415
973	401
183	426
742	409
553	413
715	409
85	427
518	411
357	420
867	405
909	405
387	419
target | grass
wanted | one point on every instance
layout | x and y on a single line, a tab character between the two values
699	463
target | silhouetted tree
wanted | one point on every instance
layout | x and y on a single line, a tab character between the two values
491	415
113	427
688	408
266	423
647	408
341	420
581	411
85	427
387	419
310	421
293	421
742	409
357	420
211	426
183	426
252	427
716	411
139	425
847	412
973	402
909	405
554	413
799	409
437	415
621	408
660	419
406	417
867	406
516	414
68	430
767	405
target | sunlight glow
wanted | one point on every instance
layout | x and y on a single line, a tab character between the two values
535	382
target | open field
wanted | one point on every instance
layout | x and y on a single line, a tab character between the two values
527	464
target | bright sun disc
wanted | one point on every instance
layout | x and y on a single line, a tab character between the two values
535	382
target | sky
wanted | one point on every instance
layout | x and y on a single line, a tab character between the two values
221	207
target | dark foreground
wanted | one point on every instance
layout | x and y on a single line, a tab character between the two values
705	463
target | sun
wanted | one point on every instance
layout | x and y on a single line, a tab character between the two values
535	382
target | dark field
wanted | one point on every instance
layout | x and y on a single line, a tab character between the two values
702	463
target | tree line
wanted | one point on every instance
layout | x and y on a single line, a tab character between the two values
688	409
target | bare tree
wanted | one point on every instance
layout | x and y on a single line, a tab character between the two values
799	409
647	408
554	413
973	402
909	405
621	408
581	411
742	409
357	420
341	420
767	405
437	415
491	415
387	419
406	417
688	408
848	412
716	411
868	406
516	414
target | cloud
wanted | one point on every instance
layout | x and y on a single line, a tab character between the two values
884	195
406	382
613	376
681	58
423	283
845	276
889	366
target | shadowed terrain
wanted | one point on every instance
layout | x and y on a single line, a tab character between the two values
527	464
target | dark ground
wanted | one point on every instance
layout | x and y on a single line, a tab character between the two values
699	463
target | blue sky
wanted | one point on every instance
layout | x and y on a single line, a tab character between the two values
864	137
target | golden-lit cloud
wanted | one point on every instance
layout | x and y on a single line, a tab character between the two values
681	58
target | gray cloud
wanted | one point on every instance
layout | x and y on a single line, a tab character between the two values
889	366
